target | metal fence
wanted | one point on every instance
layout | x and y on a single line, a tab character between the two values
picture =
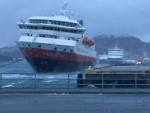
115	80
92	82
35	81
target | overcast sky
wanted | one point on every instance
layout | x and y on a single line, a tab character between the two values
118	17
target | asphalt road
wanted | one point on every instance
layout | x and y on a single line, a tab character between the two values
74	103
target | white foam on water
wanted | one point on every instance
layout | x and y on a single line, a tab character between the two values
56	76
7	86
8	76
49	81
20	82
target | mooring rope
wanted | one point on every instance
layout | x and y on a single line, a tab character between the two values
11	63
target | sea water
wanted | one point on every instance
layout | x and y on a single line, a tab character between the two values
21	75
16	67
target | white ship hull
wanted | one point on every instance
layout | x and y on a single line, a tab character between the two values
50	57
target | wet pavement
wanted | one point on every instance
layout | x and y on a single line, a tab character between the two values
74	103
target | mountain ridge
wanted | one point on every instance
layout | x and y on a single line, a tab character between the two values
131	44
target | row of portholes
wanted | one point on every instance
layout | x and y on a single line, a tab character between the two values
64	49
39	46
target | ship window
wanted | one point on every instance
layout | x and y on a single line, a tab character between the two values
40	27
80	31
63	23
43	27
35	27
51	28
30	27
64	30
50	21
75	31
67	24
37	21
59	23
20	26
39	46
61	30
55	48
54	22
25	27
67	30
58	29
45	21
40	21
71	31
71	50
65	49
71	24
32	21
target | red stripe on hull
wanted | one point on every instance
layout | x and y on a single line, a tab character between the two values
55	55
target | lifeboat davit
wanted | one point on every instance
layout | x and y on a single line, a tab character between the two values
88	41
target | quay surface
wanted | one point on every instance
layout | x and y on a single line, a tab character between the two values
75	91
74	103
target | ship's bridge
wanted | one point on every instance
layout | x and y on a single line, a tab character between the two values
56	20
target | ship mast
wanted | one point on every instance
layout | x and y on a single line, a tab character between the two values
65	5
64	10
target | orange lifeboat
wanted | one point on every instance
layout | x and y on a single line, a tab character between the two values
88	41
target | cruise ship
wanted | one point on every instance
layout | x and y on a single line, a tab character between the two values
56	43
115	55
